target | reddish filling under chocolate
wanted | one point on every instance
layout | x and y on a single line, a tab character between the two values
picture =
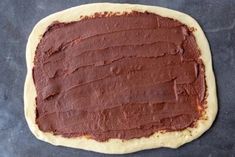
118	76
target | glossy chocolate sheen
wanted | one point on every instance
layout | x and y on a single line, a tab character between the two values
118	76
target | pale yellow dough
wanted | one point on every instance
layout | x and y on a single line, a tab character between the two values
117	146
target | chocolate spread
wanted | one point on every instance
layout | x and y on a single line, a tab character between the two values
118	76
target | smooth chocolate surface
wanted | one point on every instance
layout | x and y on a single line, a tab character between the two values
118	77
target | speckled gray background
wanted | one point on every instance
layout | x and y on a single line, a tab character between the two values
17	18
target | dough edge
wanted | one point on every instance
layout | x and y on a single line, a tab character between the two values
118	146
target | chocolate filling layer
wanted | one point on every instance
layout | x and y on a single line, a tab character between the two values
118	76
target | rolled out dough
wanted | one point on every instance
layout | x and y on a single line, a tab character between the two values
118	146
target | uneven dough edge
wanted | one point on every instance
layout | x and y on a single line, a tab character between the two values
117	146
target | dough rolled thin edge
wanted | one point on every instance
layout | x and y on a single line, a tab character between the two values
117	146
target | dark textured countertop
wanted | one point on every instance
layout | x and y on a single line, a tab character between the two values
17	18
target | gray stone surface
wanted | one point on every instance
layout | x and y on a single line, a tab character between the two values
17	18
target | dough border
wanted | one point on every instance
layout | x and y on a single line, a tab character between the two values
118	146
